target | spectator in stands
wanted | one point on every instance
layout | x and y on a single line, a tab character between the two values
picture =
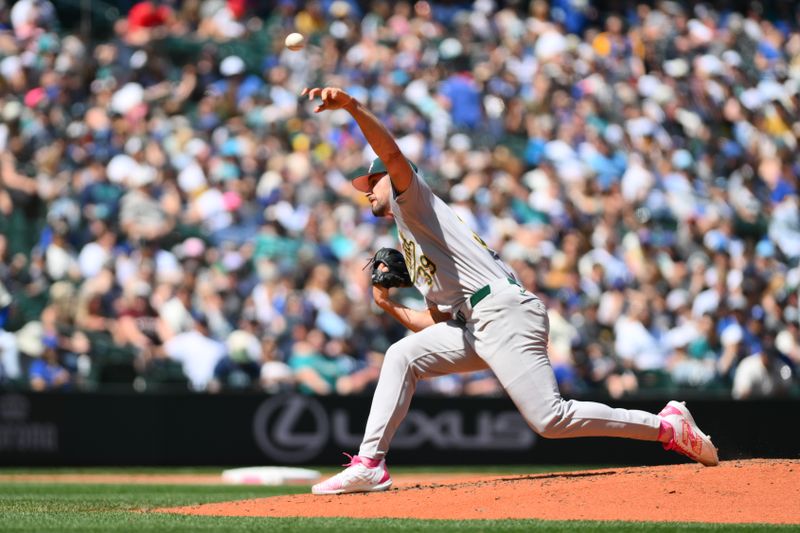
198	353
762	374
46	372
239	368
142	217
319	366
9	355
636	342
276	375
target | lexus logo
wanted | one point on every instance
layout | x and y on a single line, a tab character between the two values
295	429
292	428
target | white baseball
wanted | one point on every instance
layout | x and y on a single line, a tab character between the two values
295	41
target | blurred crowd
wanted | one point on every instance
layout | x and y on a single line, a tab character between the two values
173	214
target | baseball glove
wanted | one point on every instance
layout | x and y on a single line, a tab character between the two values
397	273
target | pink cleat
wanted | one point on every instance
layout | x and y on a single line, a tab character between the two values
357	477
686	436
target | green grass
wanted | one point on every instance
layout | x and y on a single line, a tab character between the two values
325	470
34	507
124	470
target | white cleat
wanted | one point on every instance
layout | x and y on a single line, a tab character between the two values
357	477
686	436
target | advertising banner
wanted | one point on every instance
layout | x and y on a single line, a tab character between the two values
188	429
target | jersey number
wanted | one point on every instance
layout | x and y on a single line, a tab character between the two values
422	269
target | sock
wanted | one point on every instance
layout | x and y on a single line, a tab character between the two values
665	431
369	462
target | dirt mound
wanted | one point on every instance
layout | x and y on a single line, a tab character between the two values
764	491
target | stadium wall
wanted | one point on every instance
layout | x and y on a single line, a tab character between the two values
52	429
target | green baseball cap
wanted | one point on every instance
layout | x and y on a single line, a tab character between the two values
361	182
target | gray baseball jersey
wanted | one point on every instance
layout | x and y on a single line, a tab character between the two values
446	260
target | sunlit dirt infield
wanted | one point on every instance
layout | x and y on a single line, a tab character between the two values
757	490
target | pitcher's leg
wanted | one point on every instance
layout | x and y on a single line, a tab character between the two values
553	417
512	339
437	350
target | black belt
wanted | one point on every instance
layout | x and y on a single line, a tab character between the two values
484	291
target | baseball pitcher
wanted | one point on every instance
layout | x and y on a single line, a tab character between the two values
478	317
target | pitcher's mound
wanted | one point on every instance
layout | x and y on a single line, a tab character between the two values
736	491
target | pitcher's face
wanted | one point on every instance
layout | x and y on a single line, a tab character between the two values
380	189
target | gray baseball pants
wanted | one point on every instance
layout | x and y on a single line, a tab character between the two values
507	332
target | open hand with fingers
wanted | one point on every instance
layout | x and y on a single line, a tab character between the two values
332	98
